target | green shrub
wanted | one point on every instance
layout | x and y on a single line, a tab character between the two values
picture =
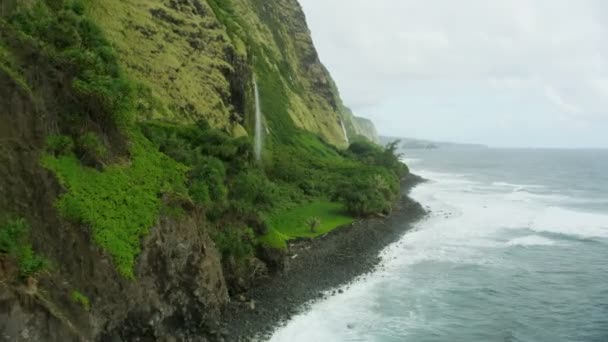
14	241
11	234
235	242
29	262
372	154
211	173
91	147
313	223
368	194
253	187
206	151
59	145
199	192
79	298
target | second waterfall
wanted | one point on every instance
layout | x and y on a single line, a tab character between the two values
258	138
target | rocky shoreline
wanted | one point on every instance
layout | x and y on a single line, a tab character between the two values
316	266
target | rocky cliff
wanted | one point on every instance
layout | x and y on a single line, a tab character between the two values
198	59
124	131
365	127
357	126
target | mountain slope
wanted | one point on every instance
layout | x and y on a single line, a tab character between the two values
132	205
195	57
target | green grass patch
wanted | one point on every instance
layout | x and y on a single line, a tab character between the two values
274	239
120	203
79	298
292	224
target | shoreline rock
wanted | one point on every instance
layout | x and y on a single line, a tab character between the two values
321	265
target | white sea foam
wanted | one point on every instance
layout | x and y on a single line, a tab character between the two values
574	223
531	240
411	161
517	186
470	223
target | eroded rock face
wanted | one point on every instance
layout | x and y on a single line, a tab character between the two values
179	291
179	288
24	318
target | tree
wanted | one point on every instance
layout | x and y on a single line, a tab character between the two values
313	224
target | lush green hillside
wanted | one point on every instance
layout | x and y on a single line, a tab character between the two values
198	59
130	187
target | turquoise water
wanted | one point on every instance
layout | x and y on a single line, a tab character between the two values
515	249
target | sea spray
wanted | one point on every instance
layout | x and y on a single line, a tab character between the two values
258	138
344	131
507	252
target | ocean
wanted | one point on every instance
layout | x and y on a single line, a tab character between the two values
515	248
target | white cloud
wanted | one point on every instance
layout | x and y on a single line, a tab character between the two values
396	60
563	105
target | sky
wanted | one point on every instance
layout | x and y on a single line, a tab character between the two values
509	73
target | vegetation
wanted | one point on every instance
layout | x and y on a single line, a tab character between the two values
120	175
322	216
116	191
59	145
14	242
79	298
313	223
120	203
58	37
236	243
370	193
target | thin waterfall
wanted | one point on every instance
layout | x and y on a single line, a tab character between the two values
258	138
344	131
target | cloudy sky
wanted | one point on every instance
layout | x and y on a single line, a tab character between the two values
501	72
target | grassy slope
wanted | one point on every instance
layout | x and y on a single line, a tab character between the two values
122	202
291	224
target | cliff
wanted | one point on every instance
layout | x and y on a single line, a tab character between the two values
198	59
131	204
359	127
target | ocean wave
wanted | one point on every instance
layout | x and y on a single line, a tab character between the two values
411	161
472	227
530	241
518	186
569	222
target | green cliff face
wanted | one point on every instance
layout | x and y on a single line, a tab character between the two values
198	59
365	127
131	203
359	127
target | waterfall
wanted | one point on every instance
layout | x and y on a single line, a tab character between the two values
258	123
344	131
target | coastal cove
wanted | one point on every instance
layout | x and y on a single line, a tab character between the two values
510	250
320	265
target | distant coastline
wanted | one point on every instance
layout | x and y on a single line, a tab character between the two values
422	144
